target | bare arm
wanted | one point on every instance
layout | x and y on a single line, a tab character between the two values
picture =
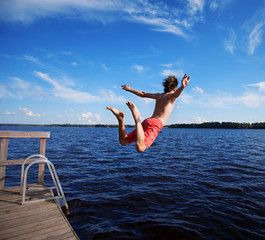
139	93
184	83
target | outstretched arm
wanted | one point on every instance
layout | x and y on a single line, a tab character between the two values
184	83
139	93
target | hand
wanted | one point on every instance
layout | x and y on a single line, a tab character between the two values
185	80
126	87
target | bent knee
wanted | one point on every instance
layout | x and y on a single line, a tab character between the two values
123	142
140	148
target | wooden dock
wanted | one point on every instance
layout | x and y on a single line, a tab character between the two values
33	220
40	220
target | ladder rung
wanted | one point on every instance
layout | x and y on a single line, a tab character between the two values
42	199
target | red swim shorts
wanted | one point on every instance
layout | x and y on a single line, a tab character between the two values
151	127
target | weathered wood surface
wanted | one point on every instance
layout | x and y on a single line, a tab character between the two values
41	220
24	134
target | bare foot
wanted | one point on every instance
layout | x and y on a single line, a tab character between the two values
119	114
135	112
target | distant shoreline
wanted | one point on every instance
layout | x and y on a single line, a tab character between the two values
216	125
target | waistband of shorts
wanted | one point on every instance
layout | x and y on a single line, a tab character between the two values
157	121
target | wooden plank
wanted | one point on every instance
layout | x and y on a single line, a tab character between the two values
16	230
24	134
3	157
16	161
42	220
42	166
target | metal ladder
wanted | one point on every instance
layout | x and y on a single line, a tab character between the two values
57	185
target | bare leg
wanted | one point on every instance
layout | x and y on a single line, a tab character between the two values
140	145
122	131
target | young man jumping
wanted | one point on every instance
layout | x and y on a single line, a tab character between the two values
147	131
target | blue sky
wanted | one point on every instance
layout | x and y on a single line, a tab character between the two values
63	61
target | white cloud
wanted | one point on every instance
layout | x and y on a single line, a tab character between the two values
224	100
105	67
17	88
97	117
199	119
109	95
255	28
214	5
70	112
74	64
260	85
138	68
255	37
198	90
186	98
163	25
220	5
252	100
161	16
88	117
178	73
196	6
29	113
229	44
5	92
6	113
67	93
167	65
32	59
146	100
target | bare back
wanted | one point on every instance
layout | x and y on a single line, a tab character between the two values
163	107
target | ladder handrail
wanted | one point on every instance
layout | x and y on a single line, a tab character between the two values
56	181
23	165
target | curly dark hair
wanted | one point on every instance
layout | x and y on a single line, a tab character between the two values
170	83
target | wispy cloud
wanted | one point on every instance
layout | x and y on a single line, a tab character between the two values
105	67
260	85
229	43
110	96
6	113
29	113
224	100
178	73
213	5
196	6
198	90
61	91
160	15
17	88
65	92
216	4
139	68
255	37
32	59
162	25
255	28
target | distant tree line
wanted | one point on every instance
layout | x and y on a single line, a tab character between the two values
62	125
224	125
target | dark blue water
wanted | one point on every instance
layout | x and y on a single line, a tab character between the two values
191	184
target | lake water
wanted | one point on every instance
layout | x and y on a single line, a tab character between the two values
190	184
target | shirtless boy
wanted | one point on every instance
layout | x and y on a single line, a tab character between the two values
147	131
